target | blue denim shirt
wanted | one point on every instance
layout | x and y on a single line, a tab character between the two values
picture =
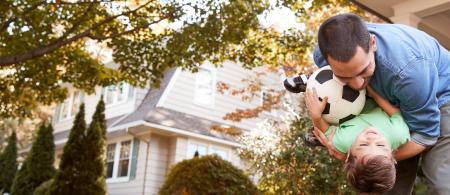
412	71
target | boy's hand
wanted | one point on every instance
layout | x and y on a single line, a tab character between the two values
328	143
314	105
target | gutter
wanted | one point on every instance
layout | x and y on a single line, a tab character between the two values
176	131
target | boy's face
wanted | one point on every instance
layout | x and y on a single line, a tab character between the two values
371	142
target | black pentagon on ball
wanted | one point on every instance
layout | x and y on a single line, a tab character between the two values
342	120
326	110
349	94
324	76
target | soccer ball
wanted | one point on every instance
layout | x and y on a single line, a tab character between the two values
344	103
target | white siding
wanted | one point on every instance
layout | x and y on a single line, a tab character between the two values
90	103
181	95
156	169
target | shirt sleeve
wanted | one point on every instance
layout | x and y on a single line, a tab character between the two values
340	144
318	58
399	123
416	90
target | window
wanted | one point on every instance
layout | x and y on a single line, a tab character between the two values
70	106
118	160
220	152
205	87
116	94
201	149
124	159
111	150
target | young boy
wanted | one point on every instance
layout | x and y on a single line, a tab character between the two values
368	139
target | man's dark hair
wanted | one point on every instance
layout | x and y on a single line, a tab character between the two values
371	174
340	35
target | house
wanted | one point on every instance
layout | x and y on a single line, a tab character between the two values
432	16
151	129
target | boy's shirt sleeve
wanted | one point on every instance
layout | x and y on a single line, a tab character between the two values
400	130
416	90
342	141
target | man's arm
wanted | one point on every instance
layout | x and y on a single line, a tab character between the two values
408	150
318	58
416	91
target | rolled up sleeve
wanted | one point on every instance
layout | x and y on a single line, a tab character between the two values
318	58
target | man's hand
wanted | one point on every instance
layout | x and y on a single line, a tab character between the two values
328	143
314	105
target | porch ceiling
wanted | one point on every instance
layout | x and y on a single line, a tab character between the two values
433	15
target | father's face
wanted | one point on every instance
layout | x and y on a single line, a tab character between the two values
358	70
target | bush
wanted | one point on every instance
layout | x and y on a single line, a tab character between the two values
207	175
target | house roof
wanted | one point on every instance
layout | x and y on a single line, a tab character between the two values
149	112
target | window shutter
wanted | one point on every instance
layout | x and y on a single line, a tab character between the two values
134	159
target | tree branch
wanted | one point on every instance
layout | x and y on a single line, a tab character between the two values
60	42
101	38
79	21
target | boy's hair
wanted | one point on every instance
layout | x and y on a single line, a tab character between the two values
371	173
340	35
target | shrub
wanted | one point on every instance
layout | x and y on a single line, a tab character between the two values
207	175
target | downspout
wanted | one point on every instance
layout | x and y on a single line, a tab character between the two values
145	167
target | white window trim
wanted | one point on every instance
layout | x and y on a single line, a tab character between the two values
114	178
189	156
213	71
209	149
227	152
115	103
69	116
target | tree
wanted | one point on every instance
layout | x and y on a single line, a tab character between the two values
96	155
46	44
72	170
276	154
38	166
43	43
82	167
8	166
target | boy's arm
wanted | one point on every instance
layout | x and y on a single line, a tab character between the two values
315	108
383	103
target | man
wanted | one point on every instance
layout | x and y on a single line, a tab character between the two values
411	70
